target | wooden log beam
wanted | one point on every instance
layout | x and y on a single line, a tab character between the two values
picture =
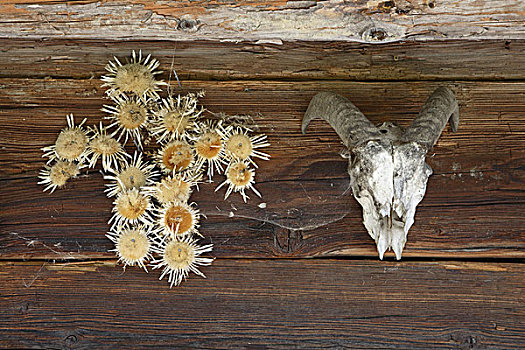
336	60
265	303
472	207
262	20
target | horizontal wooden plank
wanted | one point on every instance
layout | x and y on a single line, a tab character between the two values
434	60
472	207
71	223
265	304
491	127
363	21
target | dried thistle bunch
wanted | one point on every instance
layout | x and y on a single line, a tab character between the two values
241	147
153	221
68	154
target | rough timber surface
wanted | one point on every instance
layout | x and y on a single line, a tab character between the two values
372	21
261	304
302	272
498	59
471	209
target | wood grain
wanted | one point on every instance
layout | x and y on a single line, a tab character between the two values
260	304
273	21
335	60
472	207
294	274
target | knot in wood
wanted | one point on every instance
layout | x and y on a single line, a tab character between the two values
187	25
375	35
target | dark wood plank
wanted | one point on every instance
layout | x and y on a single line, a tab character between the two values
472	208
490	133
70	224
276	20
205	60
265	304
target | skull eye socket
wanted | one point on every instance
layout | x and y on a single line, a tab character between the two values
383	131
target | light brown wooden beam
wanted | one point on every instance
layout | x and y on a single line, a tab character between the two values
275	21
472	207
434	60
264	303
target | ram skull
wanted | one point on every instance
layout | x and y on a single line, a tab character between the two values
388	173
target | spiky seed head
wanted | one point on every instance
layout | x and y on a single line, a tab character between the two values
176	117
132	245
209	145
239	177
132	115
132	177
239	174
134	174
179	257
105	146
172	189
175	122
240	146
131	207
129	115
175	156
57	175
71	143
179	219
132	204
136	76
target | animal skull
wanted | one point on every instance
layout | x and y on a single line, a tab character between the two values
387	168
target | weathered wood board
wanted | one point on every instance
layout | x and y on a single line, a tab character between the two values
471	208
260	304
374	21
202	60
301	272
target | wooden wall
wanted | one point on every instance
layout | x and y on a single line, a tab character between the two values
302	272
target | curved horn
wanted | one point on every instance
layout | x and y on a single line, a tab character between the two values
439	108
350	124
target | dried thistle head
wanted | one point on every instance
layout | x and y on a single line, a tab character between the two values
179	219
176	117
131	207
130	115
57	175
175	156
134	174
240	146
136	76
239	177
105	146
179	257
71	143
208	146
176	188
132	245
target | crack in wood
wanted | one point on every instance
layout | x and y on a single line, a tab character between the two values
287	241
